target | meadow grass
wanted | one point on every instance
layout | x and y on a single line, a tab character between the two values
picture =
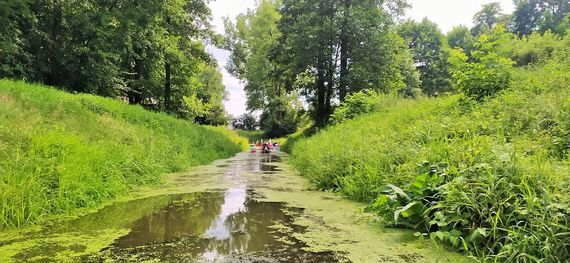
60	151
490	179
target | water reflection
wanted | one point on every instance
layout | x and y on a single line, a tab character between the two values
214	227
227	233
221	225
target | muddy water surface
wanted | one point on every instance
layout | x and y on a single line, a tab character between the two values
250	208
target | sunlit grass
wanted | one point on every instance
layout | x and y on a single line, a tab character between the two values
60	152
490	179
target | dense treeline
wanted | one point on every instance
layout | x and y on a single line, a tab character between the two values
146	52
322	51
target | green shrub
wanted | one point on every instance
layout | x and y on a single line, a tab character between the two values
60	152
356	104
487	73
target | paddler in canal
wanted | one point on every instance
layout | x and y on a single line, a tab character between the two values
266	148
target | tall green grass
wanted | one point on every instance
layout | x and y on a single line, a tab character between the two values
491	179
252	136
60	152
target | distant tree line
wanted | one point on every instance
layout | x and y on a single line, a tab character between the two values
147	52
532	32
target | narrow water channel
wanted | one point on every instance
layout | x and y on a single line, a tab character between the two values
250	208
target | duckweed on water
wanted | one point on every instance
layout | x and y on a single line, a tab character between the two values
281	220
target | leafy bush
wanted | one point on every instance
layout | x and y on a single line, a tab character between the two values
356	104
60	152
487	74
534	48
492	180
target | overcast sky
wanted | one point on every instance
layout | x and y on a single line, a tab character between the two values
446	13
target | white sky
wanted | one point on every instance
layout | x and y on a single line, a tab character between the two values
446	13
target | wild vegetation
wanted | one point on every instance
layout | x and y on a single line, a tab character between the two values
487	172
482	163
60	152
150	53
464	136
288	50
492	179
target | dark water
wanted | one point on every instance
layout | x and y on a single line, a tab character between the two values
214	226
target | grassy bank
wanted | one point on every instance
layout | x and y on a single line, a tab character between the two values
252	136
490	179
60	152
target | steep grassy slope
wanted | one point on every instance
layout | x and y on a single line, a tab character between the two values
492	178
60	152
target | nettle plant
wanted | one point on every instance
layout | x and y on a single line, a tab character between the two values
486	72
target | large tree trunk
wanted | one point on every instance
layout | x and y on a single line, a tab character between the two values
321	97
167	83
329	91
53	63
167	87
343	85
135	95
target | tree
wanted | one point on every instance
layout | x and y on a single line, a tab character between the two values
13	57
427	45
488	17
341	47
211	92
246	122
146	52
535	47
252	40
460	37
488	73
539	15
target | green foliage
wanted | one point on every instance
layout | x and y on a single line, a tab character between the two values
252	40
488	73
283	116
60	152
288	143
460	37
428	47
246	122
252	136
487	18
541	16
535	47
150	52
322	50
491	180
356	104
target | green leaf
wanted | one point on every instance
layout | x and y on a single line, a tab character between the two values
405	211
398	191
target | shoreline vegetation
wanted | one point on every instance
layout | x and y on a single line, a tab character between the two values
60	152
490	179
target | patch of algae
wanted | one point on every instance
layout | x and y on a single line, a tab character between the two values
335	224
67	238
329	223
65	247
